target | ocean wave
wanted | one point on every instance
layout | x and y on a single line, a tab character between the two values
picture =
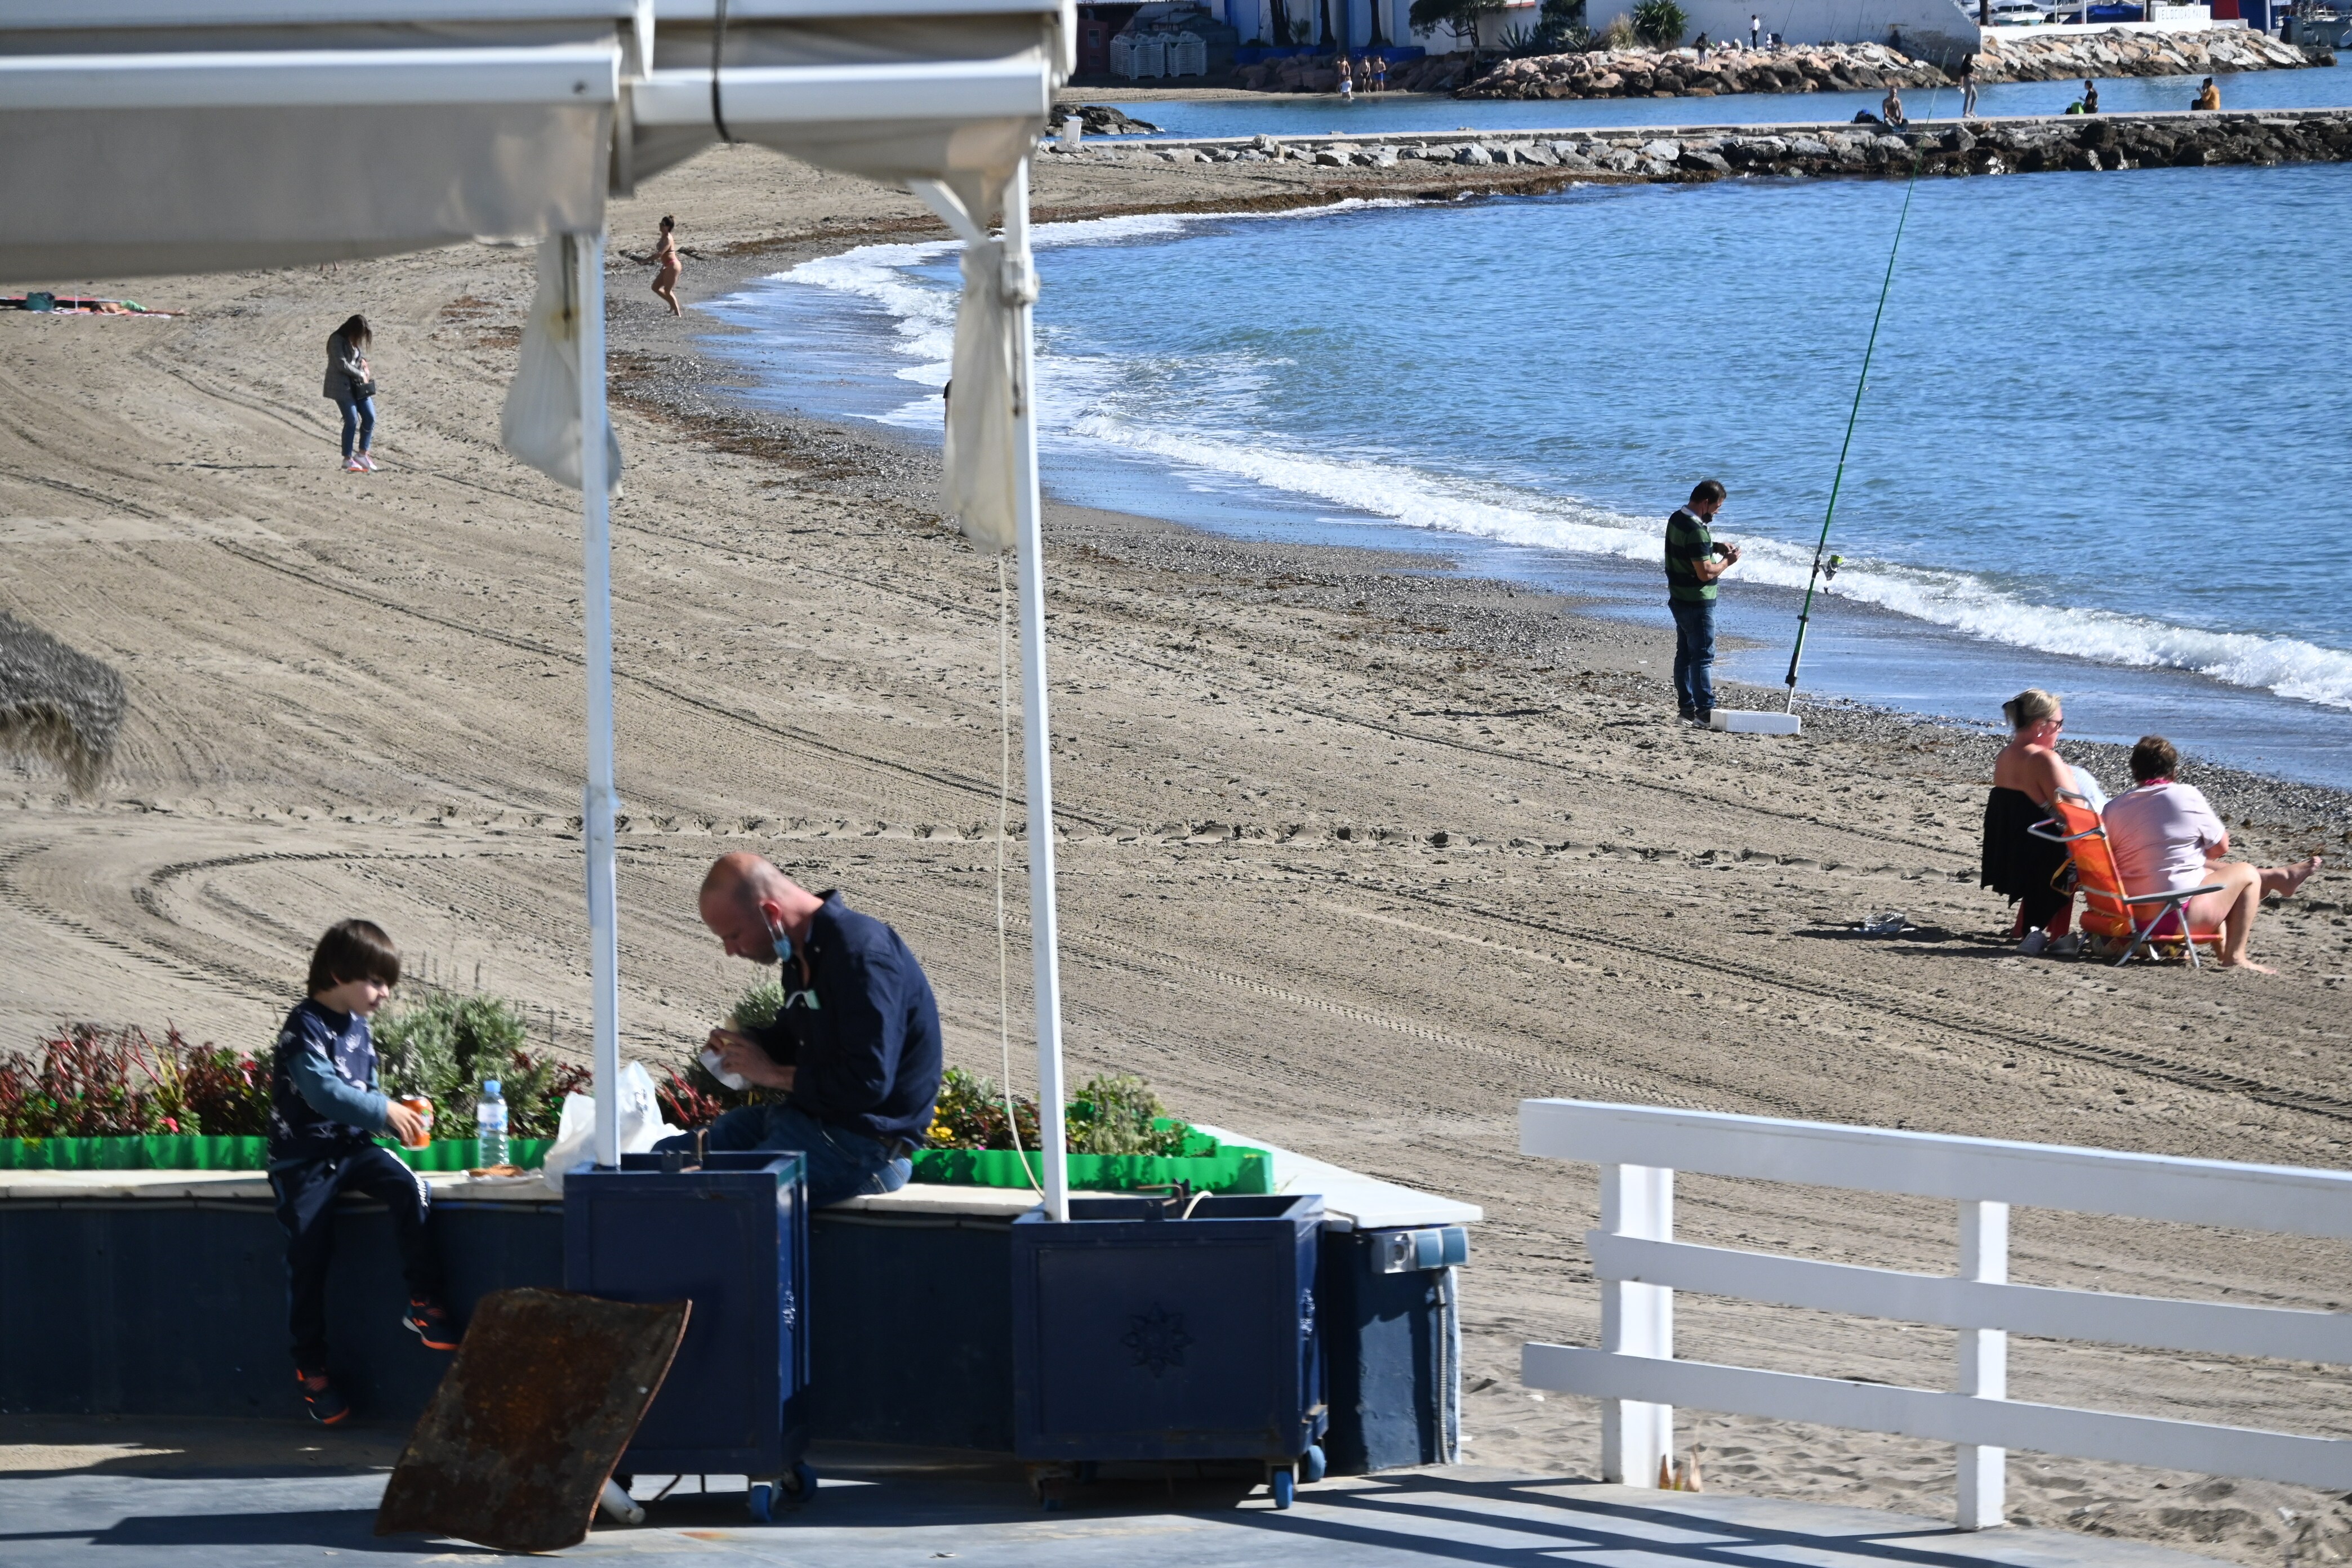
1073	395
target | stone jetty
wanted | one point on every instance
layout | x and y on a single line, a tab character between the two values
2015	53
1533	160
1680	73
1874	68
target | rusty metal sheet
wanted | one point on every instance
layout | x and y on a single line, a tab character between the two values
531	1418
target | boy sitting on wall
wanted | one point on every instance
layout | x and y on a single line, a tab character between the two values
325	1112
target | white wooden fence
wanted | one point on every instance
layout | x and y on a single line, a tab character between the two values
1641	1266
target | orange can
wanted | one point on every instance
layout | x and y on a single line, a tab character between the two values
423	1109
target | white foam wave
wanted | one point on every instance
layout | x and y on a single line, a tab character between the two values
1070	403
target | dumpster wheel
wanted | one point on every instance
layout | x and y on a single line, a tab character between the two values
1282	1480
791	1490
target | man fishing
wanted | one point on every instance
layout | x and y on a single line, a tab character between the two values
1694	561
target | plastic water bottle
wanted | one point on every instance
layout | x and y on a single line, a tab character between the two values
491	1125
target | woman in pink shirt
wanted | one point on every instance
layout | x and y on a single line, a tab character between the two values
2166	837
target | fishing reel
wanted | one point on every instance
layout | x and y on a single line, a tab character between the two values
1829	568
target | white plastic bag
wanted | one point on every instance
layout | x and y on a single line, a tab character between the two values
541	422
575	1133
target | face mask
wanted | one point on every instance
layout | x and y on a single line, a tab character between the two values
783	941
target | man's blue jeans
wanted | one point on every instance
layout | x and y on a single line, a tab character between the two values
1694	654
840	1163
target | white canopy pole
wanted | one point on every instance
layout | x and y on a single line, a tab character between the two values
1037	728
596	608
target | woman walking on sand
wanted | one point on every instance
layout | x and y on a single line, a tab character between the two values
669	266
352	386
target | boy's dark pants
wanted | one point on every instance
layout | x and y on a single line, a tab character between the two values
307	1191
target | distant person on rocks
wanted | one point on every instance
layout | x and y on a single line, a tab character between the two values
1890	107
2090	97
2018	865
2209	97
2166	837
1347	78
1694	560
669	266
1380	73
352	384
1755	29
1700	44
1968	74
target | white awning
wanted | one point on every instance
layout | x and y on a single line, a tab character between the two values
147	136
228	134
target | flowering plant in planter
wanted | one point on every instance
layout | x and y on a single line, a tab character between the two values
86	1081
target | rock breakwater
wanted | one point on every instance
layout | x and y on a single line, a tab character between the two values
1873	68
1542	161
1680	73
2120	51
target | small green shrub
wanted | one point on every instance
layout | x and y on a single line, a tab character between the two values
445	1043
1115	1115
1660	23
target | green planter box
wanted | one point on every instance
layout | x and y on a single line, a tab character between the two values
170	1151
1206	1164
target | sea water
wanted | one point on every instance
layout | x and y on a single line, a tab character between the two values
1306	115
2105	444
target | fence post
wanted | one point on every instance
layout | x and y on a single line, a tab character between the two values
1637	1320
1984	1361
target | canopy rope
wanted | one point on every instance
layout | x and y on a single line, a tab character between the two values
1004	811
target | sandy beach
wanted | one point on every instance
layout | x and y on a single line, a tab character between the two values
1355	859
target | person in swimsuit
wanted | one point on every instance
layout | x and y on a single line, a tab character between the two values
2166	837
669	266
2021	868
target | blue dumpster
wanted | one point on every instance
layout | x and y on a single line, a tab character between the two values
1147	1332
730	1236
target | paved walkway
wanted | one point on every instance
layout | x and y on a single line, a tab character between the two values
1467	1516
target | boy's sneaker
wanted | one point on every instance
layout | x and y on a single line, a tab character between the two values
354	465
326	1404
432	1324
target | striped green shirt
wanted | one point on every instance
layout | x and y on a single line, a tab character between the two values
1689	540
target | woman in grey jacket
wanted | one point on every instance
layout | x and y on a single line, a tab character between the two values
351	385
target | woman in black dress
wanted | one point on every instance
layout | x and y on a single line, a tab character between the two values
2026	779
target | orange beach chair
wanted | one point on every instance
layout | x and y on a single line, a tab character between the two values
2109	914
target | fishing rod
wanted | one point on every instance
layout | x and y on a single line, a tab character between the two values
1826	566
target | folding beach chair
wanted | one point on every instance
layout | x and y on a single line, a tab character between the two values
2109	914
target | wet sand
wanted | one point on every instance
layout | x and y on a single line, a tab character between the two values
1355	856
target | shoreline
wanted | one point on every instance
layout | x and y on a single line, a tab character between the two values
706	396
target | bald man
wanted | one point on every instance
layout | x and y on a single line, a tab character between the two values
856	1049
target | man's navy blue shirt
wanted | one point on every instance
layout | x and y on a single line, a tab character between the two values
324	1102
859	1027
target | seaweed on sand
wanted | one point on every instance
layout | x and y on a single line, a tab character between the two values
56	702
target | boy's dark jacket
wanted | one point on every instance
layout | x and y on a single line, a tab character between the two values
323	1100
